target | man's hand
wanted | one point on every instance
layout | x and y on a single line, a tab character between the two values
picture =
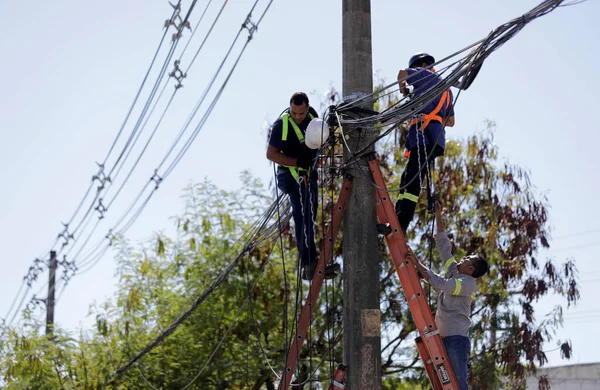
402	75
438	209
410	255
304	161
421	269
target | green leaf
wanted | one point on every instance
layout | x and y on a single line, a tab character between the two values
161	247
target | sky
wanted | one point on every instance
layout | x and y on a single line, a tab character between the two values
71	73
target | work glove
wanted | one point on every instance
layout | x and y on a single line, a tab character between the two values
304	161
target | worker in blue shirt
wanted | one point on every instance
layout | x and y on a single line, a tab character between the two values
426	134
457	291
297	178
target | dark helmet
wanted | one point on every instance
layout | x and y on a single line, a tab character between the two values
420	58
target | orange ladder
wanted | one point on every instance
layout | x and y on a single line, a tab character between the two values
429	344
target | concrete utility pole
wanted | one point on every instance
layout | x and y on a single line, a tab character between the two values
50	297
362	333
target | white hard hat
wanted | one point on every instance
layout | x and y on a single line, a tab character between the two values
316	134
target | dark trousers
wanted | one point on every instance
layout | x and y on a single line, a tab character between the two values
304	210
458	349
412	179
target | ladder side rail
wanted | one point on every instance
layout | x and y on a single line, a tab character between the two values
317	282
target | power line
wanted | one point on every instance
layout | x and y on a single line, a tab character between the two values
100	176
582	233
158	178
580	246
93	258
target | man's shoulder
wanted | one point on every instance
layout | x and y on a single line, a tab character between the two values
467	281
313	112
421	74
277	125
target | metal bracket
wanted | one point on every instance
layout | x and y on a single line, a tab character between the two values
250	26
177	21
178	74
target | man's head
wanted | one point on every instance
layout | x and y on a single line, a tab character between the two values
421	60
299	107
474	265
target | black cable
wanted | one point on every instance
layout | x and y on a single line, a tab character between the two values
494	40
249	245
149	101
144	149
138	92
204	118
137	130
207	34
284	270
152	110
85	220
332	307
195	30
355	156
431	243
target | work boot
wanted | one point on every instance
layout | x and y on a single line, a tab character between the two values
308	272
397	209
384	228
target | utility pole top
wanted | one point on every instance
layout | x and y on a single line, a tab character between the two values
51	290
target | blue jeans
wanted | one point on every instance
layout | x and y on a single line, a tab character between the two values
304	211
458	349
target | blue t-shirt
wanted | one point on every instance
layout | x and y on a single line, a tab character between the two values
423	80
291	147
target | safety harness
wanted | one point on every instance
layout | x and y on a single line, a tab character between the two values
287	119
424	119
433	115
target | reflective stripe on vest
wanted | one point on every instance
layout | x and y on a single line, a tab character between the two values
411	197
448	263
433	115
286	118
458	287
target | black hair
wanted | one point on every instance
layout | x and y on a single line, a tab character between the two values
480	264
422	64
299	98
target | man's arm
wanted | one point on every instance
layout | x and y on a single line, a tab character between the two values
448	121
402	75
274	154
438	218
276	144
458	286
443	242
424	271
462	285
